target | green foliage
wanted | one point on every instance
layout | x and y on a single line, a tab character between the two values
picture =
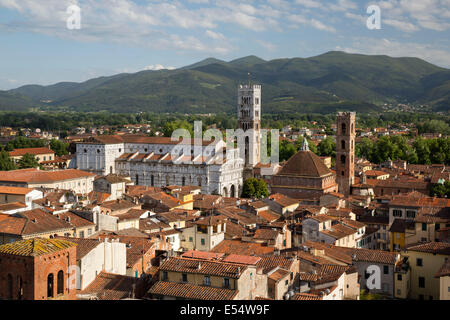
23	142
255	188
370	296
327	148
421	151
6	163
28	161
440	190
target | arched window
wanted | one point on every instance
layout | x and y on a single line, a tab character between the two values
343	158
10	287
353	128
137	179
199	181
343	144
60	289
50	286
167	180
110	169
183	181
152	180
19	288
344	128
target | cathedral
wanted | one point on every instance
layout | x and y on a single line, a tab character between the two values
160	161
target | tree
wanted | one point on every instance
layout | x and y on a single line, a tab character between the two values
255	188
327	148
6	163
287	150
28	161
59	147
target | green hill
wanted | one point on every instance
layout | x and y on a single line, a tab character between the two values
326	83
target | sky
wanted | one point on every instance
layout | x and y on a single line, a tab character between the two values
44	42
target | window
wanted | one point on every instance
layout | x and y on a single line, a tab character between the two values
419	262
202	241
184	277
437	226
50	285
60	289
191	239
386	269
89	232
399	277
343	158
207	281
424	227
20	288
81	234
397	213
421	282
286	282
226	282
399	292
343	144
165	276
410	214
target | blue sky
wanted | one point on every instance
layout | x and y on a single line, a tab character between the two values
133	35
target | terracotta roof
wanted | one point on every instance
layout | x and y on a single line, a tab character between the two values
266	234
139	191
242	259
306	296
353	223
98	197
235	230
215	268
400	225
35	247
270	262
12	206
243	248
32	222
15	190
191	292
115	205
432	247
269	215
283	200
109	286
74	219
32	151
132	214
84	246
305	163
211	221
339	231
39	176
321	217
279	274
194	254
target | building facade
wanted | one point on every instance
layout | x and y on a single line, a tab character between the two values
345	151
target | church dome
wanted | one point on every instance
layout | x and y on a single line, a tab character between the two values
305	163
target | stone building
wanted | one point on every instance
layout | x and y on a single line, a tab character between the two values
345	151
304	176
38	269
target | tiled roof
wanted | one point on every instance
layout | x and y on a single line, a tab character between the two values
194	254
305	163
98	197
283	200
191	292
84	246
306	296
321	217
235	230
74	219
243	248
270	262
279	274
339	231
132	214
12	206
269	215
35	247
109	286
400	225
241	259
214	268
266	234
432	247
119	205
14	190
32	222
39	176
211	220
33	151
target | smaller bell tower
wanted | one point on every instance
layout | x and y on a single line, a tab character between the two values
345	151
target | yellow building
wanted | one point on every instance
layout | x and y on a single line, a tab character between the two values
41	154
417	277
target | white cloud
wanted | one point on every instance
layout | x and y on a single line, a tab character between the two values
157	67
266	45
302	20
214	35
393	48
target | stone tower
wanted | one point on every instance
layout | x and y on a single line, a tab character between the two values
345	151
249	120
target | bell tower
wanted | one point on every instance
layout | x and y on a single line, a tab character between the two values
249	120
345	151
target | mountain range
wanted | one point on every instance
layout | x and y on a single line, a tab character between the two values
325	83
